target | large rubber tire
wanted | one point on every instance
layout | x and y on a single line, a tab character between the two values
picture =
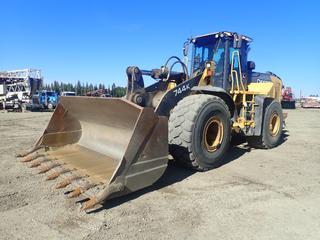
187	123
267	140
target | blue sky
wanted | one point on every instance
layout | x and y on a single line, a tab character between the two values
94	41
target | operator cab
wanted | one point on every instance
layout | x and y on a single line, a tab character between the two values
227	50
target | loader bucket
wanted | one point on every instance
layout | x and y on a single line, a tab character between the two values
110	147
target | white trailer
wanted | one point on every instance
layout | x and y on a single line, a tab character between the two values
17	87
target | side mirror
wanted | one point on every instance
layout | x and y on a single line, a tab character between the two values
251	65
186	48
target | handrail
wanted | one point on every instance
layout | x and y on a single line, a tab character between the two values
233	71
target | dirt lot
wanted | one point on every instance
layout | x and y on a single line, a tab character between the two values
255	194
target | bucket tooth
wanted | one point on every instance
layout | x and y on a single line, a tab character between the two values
37	162
67	181
76	192
31	157
103	195
53	175
34	164
43	169
63	184
57	172
22	154
27	158
28	151
89	204
84	187
47	167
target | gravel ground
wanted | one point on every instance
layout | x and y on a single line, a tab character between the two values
255	194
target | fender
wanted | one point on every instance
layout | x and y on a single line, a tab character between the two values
261	104
217	91
174	95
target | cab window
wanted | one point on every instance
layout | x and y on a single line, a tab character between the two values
218	58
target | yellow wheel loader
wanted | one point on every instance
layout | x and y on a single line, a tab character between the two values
103	148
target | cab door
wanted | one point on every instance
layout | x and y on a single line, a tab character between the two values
238	67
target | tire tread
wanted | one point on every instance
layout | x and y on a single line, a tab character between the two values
181	124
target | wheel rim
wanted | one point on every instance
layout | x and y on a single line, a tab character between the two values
213	134
274	125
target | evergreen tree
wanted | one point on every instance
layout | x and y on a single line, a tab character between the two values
81	88
78	89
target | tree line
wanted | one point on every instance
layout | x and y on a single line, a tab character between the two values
82	89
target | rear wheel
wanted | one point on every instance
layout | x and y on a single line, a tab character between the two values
271	128
199	131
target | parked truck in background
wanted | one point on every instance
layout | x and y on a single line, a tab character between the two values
44	100
288	100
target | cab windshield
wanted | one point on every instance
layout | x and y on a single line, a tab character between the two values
208	49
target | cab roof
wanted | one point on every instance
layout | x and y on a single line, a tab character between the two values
223	34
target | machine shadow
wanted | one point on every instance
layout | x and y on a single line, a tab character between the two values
241	139
284	136
173	174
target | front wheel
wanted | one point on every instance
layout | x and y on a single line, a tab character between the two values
199	131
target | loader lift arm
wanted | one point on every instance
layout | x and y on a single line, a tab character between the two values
166	79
